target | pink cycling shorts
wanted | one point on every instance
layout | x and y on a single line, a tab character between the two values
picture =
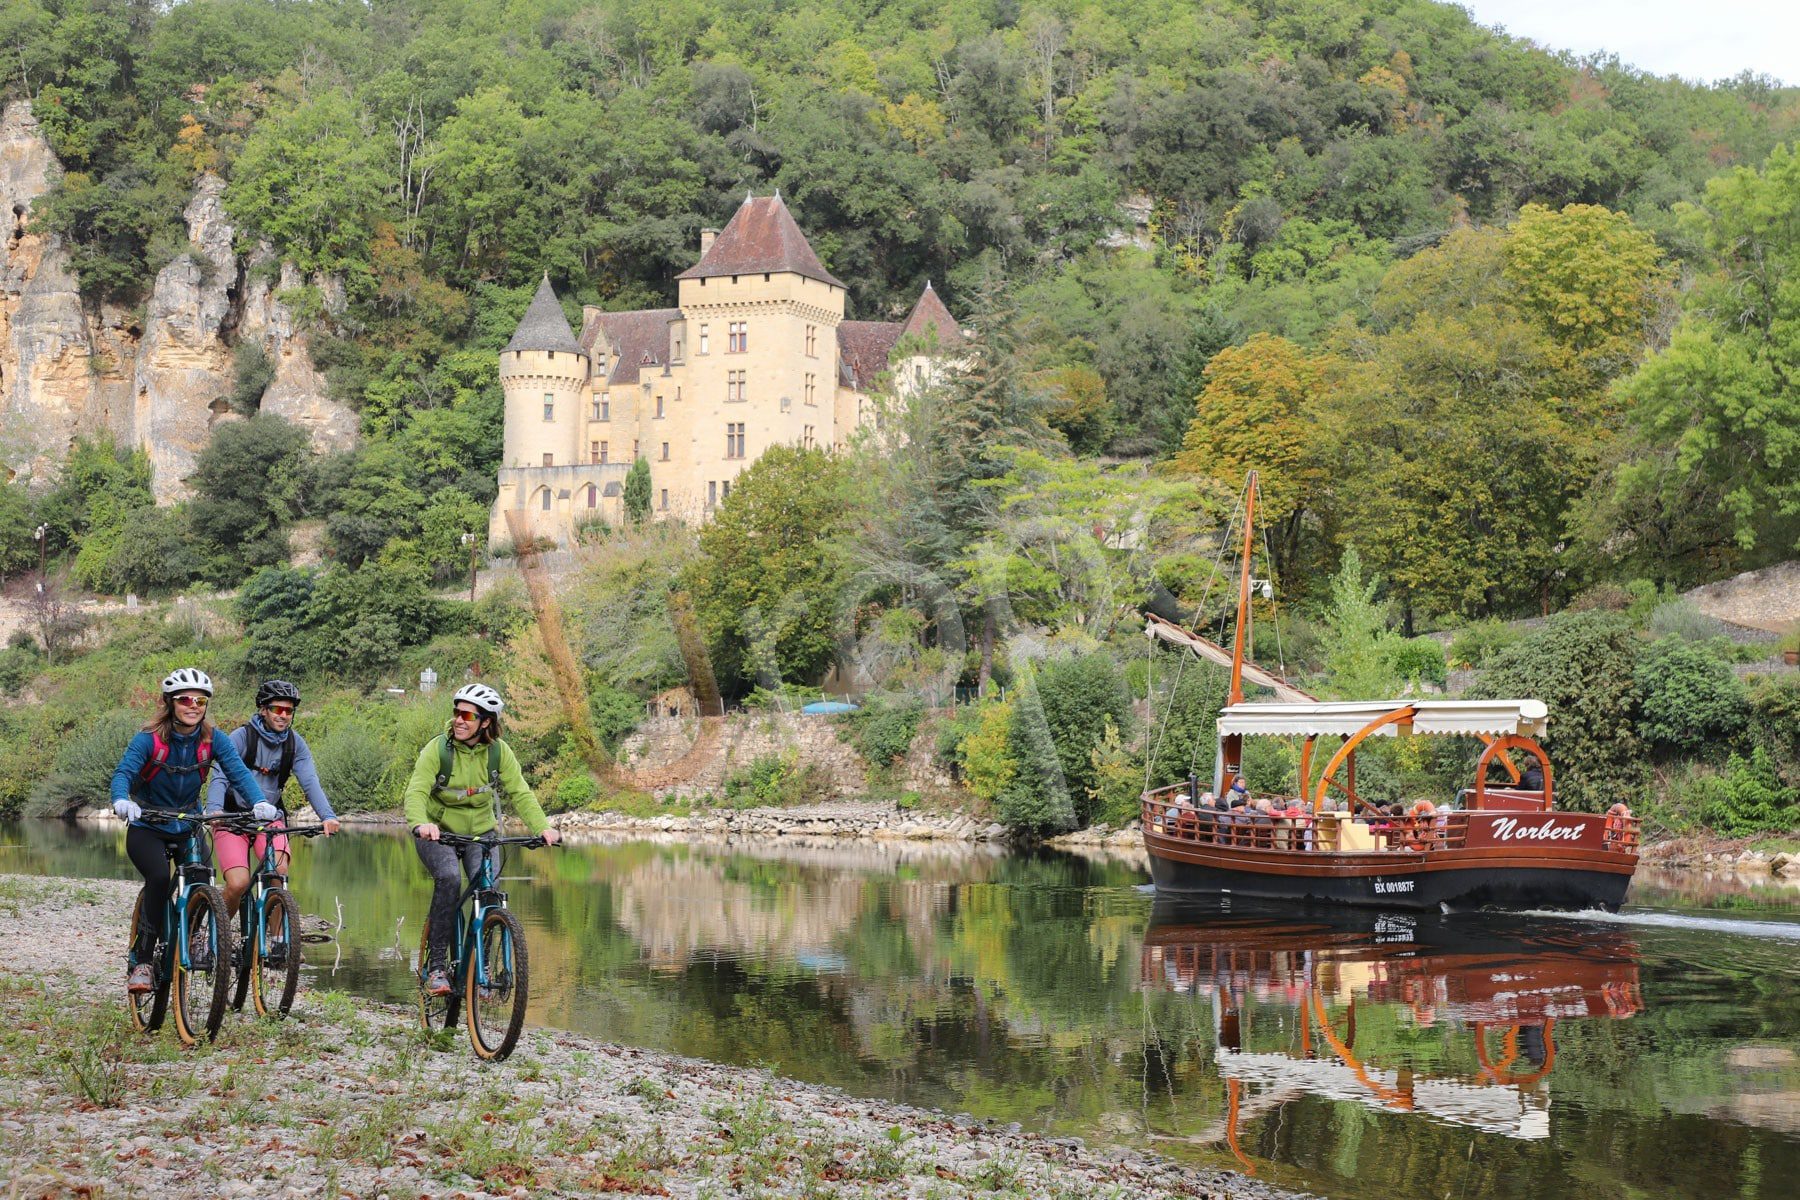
234	850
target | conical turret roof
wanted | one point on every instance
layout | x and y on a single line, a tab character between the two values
544	327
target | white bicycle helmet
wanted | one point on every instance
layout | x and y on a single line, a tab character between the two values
481	696
187	679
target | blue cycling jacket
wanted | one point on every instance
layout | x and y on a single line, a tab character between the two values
176	784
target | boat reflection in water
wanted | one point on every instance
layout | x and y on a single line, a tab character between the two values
1493	987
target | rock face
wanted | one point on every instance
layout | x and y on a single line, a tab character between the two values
66	371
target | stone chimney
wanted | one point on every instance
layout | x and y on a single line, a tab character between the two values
706	240
590	316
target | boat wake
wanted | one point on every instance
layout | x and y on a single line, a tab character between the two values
1783	931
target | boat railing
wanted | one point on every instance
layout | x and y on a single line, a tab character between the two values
1291	828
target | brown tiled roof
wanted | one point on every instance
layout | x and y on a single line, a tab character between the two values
641	339
863	348
544	327
761	237
930	314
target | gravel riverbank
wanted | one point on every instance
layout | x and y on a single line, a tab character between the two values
349	1098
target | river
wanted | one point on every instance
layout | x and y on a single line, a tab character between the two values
1654	1053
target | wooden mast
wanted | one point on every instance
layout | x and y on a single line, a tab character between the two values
1231	746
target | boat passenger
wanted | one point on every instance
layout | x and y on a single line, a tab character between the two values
1617	819
1420	828
1233	819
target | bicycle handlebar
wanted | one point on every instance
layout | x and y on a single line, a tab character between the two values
172	814
245	824
458	839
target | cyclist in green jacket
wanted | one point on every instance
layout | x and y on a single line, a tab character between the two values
456	785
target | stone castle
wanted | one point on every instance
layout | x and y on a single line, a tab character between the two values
757	353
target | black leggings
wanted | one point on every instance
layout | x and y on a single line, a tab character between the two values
446	886
150	852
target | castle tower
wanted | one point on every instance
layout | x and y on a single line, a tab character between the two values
758	332
544	373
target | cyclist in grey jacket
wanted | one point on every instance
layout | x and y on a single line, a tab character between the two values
273	750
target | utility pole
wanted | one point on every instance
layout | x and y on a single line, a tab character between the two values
469	540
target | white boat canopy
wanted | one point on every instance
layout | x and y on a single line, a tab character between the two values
1498	718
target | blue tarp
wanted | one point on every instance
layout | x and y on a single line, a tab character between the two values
821	707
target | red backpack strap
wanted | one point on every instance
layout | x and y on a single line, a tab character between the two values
159	754
203	756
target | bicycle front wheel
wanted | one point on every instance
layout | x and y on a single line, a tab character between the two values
202	960
276	955
148	1008
435	1012
496	984
240	990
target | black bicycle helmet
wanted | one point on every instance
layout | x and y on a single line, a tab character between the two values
276	689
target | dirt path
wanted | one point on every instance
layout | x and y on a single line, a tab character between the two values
352	1099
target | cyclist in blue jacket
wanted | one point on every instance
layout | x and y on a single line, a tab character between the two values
165	766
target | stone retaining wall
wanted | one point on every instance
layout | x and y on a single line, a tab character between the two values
871	821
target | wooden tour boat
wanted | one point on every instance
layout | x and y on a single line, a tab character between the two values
1505	847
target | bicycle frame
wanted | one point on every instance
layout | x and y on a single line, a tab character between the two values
486	896
189	866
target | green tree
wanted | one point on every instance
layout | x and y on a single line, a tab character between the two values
1583	666
771	569
1060	717
249	484
637	492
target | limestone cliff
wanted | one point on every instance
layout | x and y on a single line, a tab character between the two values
67	371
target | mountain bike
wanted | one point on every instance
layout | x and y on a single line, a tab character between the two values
195	911
268	959
488	966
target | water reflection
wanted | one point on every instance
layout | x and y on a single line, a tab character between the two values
1287	992
1394	1058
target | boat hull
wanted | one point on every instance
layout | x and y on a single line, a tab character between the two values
1440	886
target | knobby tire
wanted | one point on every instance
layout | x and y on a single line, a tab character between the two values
435	1012
496	1009
201	996
275	983
148	1008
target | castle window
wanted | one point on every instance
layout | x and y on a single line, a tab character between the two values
737	337
659	408
546	495
601	452
806	436
597	415
635	451
787	402
549	459
812	391
703	339
665	452
812	341
725	490
735	389
734	440
549	407
712	492
664	505
676	357
593	497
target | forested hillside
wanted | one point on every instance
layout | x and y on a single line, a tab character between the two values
1512	327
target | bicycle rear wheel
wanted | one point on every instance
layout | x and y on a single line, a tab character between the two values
147	1008
276	955
435	1012
496	984
202	987
246	938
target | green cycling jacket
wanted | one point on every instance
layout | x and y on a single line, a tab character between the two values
466	804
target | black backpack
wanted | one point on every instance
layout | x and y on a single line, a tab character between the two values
280	770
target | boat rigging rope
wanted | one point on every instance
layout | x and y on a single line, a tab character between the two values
1212	577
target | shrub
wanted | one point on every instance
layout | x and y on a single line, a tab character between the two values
1062	716
883	729
1679	618
985	764
773	780
357	771
1688	699
1775	724
1602	597
1480	641
575	791
1417	660
1113	797
1753	799
18	667
1583	666
81	774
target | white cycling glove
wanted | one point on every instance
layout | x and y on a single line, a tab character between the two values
264	811
127	810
